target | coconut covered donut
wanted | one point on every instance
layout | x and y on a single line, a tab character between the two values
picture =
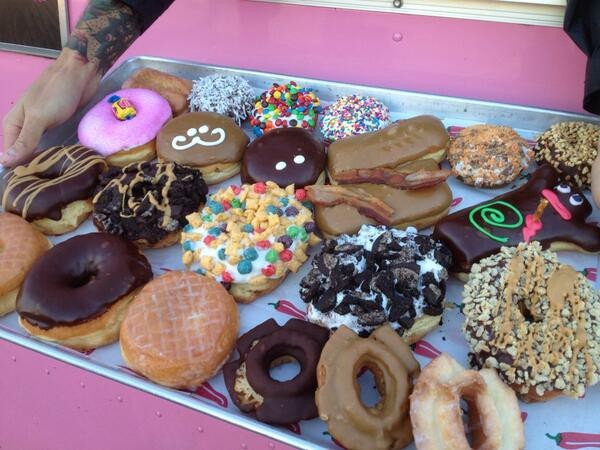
535	320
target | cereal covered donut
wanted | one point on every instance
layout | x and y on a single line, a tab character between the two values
353	114
380	275
535	320
284	106
571	148
488	155
249	237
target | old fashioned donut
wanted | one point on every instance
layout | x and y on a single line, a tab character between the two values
266	345
285	156
249	237
535	320
384	426
20	247
180	330
436	415
76	293
488	155
380	275
54	190
147	203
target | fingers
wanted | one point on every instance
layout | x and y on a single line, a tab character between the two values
11	125
596	181
28	135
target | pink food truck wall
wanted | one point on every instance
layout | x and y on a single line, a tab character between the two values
49	405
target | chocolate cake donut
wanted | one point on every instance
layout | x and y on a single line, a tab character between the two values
147	203
380	275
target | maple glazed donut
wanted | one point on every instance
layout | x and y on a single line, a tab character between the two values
54	191
76	293
384	426
535	320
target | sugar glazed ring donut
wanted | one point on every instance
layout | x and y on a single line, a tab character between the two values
20	247
249	237
535	320
266	345
54	190
436	415
380	275
571	148
381	427
488	156
147	203
76	294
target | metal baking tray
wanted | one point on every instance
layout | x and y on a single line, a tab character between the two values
453	111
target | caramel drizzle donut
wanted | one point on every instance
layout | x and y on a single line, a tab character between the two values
385	425
55	178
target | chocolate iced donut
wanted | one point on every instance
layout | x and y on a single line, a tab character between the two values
248	380
285	156
147	203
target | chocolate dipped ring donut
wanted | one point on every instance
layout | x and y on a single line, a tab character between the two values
385	425
252	388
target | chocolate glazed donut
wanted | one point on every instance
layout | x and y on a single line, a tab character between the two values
252	388
80	279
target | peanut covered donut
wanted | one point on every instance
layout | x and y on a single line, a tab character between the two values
535	320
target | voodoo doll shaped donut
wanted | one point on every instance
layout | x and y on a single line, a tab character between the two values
543	210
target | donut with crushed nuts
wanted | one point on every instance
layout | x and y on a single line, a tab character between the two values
535	320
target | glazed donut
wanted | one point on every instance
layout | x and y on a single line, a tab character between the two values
147	203
123	125
435	409
20	247
249	237
180	330
384	426
77	292
380	275
265	346
488	156
54	190
535	320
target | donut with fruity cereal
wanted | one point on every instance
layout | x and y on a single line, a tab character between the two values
249	237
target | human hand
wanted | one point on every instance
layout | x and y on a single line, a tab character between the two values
66	84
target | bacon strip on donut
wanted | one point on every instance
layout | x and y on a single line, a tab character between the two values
393	177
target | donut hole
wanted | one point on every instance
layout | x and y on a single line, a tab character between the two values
284	368
471	419
82	277
369	381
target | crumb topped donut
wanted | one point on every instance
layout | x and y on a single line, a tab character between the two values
488	155
535	320
571	148
380	275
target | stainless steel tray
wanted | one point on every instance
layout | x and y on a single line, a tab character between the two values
453	111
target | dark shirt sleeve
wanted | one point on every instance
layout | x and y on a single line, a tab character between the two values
148	10
582	24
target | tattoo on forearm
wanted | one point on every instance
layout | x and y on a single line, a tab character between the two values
106	29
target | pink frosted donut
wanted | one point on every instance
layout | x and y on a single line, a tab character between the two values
101	130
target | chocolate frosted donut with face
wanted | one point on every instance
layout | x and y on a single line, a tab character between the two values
285	156
207	141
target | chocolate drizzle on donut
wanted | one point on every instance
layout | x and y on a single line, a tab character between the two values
55	178
147	201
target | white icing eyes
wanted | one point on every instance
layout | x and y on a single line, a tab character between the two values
575	199
280	165
299	159
563	188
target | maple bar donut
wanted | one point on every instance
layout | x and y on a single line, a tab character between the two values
535	320
571	148
76	293
209	142
494	416
180	330
249	237
268	345
542	210
385	426
54	191
21	245
378	276
123	126
488	156
147	203
285	156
